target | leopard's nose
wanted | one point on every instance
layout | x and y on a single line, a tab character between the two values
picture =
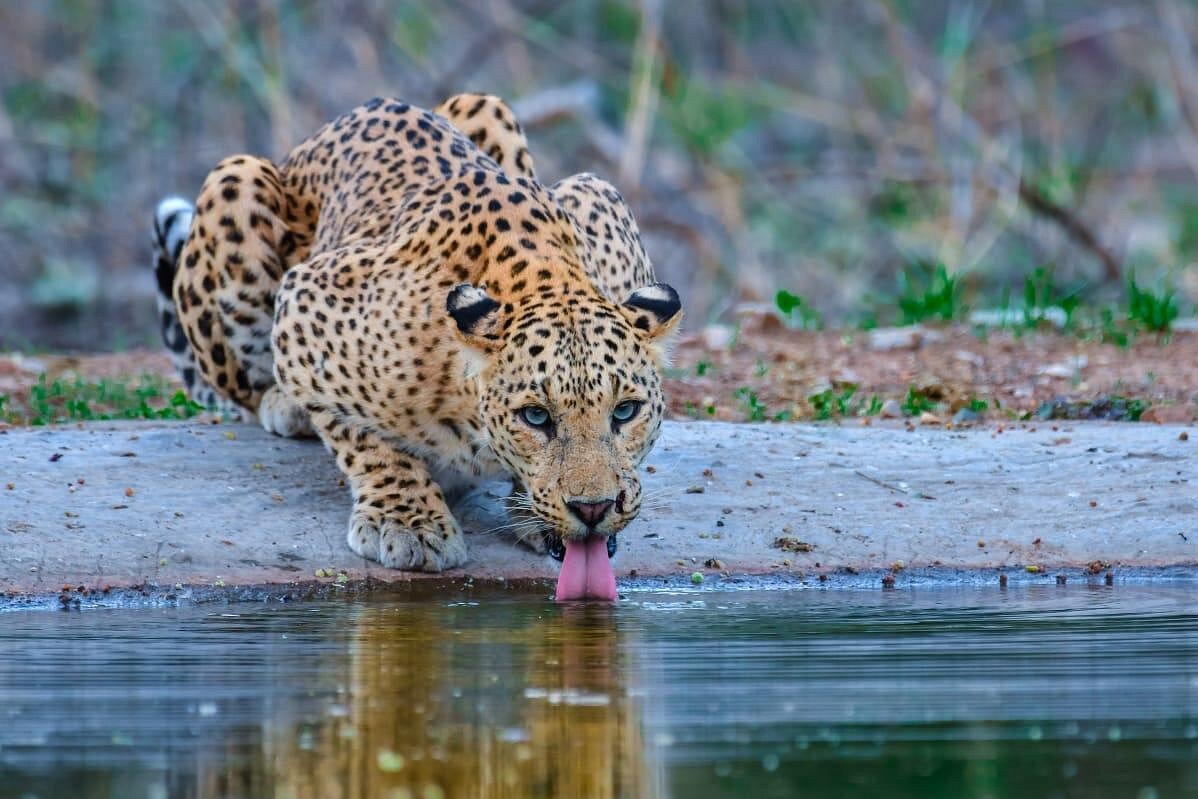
590	513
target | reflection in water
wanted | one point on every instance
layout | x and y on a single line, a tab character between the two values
544	708
1069	691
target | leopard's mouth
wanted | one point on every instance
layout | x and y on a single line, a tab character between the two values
586	573
556	547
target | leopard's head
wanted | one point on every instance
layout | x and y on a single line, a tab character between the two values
570	395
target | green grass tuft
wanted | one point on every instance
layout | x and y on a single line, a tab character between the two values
832	404
1154	312
58	401
928	292
754	409
916	402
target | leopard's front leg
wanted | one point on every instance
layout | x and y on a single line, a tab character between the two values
400	517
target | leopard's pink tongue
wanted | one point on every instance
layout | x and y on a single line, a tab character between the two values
586	571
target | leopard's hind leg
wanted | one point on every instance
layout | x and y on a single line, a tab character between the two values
613	254
245	235
489	122
172	222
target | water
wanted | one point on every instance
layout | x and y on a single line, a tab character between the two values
1055	691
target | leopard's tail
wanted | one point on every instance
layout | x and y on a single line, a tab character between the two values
172	223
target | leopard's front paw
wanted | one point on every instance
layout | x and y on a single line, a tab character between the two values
417	547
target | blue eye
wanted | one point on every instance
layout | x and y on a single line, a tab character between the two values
535	415
625	410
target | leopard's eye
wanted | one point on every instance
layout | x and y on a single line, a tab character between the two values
535	415
625	411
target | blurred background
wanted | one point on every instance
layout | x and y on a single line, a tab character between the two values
828	150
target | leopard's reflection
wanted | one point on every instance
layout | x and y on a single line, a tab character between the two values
541	706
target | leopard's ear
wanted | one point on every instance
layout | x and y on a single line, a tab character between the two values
476	317
472	310
655	311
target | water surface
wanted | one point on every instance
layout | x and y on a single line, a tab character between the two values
1052	691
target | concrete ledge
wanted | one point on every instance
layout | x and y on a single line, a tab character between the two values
205	511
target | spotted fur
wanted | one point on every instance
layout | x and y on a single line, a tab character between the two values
172	221
404	286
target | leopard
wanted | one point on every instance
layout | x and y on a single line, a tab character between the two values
403	287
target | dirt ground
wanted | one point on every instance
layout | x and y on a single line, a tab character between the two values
1014	373
762	371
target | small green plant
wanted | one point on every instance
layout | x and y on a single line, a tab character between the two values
754	409
787	303
916	402
1135	409
875	406
1154	312
795	312
978	405
928	291
702	367
821	403
829	403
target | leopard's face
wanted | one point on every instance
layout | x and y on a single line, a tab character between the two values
571	400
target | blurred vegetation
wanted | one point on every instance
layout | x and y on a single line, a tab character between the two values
56	400
1154	311
883	160
928	292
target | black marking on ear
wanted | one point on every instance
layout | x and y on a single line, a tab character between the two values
467	305
658	299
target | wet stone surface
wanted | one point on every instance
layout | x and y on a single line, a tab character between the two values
173	511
